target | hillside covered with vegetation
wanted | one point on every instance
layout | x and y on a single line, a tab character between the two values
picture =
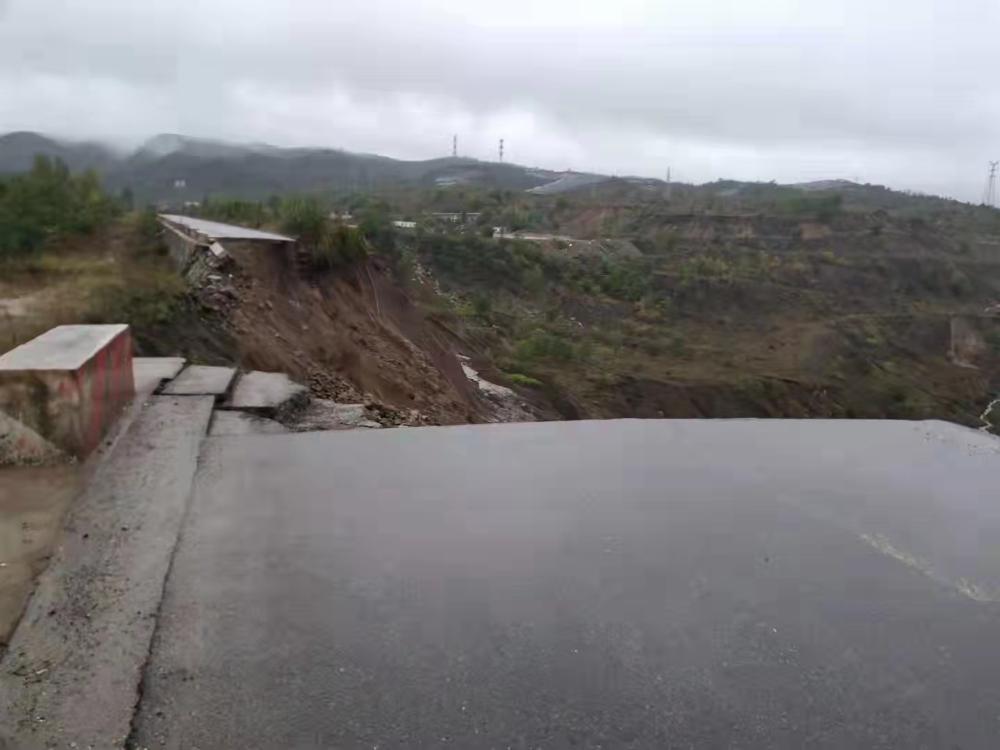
620	298
736	300
48	203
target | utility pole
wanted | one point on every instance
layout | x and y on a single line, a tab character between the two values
668	183
990	193
454	145
501	150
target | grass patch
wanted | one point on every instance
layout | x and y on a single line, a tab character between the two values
527	381
544	345
143	301
55	265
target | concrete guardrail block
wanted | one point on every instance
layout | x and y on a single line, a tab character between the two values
64	388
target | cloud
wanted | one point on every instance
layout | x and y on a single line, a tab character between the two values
899	91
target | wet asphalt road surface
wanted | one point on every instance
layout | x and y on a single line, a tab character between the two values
628	584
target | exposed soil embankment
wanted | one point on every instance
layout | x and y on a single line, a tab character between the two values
351	335
746	315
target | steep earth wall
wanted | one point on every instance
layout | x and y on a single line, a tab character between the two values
352	335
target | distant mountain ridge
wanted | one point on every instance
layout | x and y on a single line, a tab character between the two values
176	168
170	168
18	150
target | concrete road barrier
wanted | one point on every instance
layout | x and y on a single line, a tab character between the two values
66	388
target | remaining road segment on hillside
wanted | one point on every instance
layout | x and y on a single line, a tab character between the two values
210	231
602	584
73	667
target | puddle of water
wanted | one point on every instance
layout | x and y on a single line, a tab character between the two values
33	501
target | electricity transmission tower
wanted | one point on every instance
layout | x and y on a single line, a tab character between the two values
501	150
990	192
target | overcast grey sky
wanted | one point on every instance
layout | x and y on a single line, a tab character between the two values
901	92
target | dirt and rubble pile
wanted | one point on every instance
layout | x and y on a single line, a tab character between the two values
352	336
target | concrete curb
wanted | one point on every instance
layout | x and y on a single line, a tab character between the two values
74	665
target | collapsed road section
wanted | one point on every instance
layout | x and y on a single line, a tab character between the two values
107	479
222	582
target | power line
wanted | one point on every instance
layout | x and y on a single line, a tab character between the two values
990	192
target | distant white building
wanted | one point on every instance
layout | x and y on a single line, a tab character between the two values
467	217
405	224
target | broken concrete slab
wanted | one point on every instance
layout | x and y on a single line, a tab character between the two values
72	669
322	414
201	380
150	372
67	386
242	423
270	393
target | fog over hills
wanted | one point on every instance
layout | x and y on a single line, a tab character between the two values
174	168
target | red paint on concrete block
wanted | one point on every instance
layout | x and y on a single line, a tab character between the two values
68	386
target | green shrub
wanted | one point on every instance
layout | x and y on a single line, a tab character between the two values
959	283
49	202
544	345
147	225
821	207
666	241
993	339
155	299
329	245
527	381
249	213
305	219
706	266
533	279
475	261
482	305
338	246
376	226
406	268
